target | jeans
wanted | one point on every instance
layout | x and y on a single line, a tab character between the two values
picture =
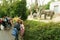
16	37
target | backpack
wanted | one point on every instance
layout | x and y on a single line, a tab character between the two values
14	31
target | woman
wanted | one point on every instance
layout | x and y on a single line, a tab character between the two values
22	29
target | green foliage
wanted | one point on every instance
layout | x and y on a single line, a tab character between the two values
41	31
28	12
15	8
47	5
33	8
1	13
21	9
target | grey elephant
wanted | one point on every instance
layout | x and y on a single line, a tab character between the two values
47	13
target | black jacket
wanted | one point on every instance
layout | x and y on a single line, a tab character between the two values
17	26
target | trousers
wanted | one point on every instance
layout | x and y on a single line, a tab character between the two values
16	37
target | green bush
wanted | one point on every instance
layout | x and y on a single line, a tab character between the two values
13	9
21	9
41	31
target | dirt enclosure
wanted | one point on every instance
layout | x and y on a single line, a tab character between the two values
56	18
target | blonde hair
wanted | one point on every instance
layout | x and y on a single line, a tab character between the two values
18	20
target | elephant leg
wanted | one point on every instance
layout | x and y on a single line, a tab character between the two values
40	15
44	16
51	17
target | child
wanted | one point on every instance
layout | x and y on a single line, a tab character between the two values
21	29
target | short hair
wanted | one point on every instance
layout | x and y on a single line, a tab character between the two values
21	22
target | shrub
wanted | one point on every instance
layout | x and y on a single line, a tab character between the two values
21	9
17	8
41	31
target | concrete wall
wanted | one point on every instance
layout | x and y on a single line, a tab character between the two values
55	6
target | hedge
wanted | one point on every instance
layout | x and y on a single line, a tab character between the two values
41	31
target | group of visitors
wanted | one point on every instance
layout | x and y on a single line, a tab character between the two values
17	27
5	22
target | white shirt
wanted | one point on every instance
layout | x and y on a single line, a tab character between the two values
21	26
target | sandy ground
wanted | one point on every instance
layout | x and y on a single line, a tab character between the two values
56	18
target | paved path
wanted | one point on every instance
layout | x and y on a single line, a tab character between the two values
6	35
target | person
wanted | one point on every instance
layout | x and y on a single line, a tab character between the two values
17	26
4	22
22	29
8	22
0	23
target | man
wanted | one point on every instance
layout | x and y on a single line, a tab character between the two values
4	21
17	26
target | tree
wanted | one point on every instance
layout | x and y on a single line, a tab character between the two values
15	8
36	4
21	9
47	5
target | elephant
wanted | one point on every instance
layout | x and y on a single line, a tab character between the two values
47	13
